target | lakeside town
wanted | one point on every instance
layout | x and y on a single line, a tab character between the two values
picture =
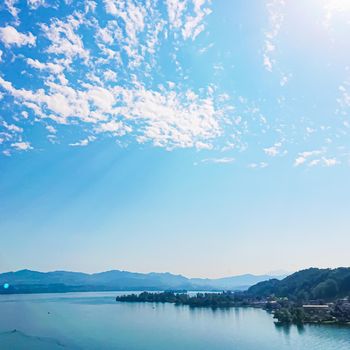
315	311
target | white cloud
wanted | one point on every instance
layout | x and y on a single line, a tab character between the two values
172	120
63	102
276	18
194	24
274	150
53	67
328	162
311	158
190	25
106	77
332	8
223	160
308	154
10	4
271	151
115	127
21	146
84	142
165	118
132	14
203	145
314	162
111	7
285	79
105	35
299	160
324	161
5	136
110	75
34	4
10	36
176	9
64	39
344	99
12	127
51	129
134	21
102	98
267	61
258	165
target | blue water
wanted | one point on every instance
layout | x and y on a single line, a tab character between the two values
96	321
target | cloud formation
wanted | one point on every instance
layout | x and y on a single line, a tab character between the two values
10	36
156	73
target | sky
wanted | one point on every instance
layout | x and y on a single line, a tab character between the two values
203	138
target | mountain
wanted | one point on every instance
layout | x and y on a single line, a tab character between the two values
27	281
307	284
227	283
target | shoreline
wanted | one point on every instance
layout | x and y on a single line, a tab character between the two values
282	310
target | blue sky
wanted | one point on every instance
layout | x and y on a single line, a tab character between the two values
196	137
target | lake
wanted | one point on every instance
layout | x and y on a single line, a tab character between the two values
96	321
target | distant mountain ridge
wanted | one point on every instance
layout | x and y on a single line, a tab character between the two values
27	281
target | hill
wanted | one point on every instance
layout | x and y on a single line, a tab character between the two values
307	284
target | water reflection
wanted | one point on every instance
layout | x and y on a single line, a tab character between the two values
300	328
283	328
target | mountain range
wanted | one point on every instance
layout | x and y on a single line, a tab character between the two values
27	281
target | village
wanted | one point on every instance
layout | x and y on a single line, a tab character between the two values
315	311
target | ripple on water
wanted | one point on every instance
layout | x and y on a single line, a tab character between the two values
18	340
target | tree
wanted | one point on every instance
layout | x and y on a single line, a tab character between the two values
326	290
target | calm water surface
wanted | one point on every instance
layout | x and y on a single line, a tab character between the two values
96	321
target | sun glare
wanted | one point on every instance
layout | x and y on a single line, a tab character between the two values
338	5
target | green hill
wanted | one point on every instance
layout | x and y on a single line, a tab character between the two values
307	284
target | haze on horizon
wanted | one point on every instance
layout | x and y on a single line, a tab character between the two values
200	138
